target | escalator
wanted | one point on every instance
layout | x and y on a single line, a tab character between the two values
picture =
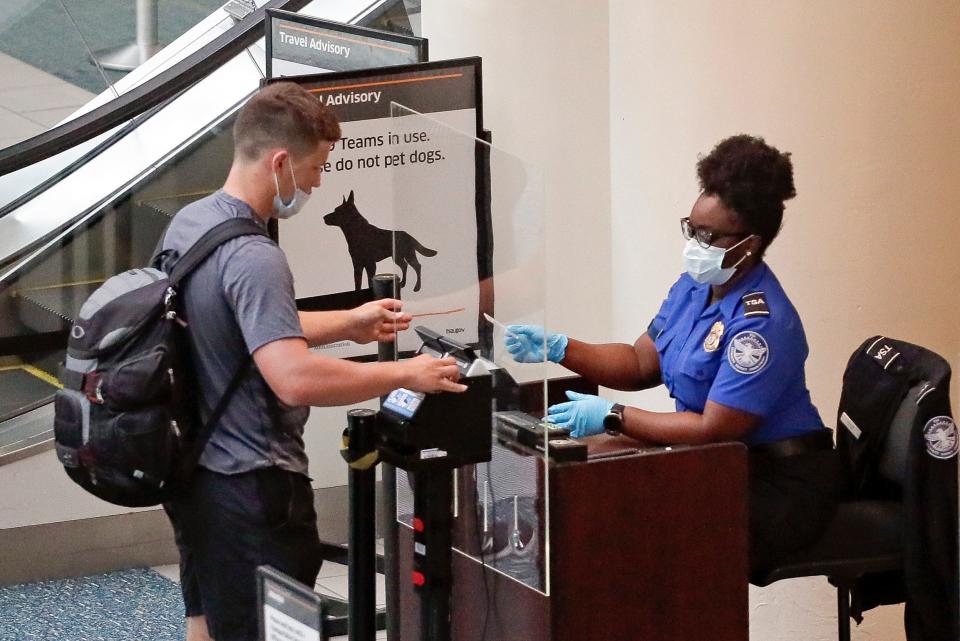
40	297
91	197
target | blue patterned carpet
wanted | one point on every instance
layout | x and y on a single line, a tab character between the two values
129	605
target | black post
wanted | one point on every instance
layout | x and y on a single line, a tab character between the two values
361	559
433	522
843	610
387	286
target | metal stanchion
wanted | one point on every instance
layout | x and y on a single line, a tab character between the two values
387	286
432	499
361	559
130	56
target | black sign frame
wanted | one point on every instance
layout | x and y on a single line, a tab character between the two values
265	574
421	44
345	300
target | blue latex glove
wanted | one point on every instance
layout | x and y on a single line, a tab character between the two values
526	344
583	414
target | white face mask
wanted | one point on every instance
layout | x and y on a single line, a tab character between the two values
290	209
704	264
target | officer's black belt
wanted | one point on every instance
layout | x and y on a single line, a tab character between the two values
813	442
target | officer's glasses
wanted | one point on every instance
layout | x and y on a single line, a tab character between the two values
705	237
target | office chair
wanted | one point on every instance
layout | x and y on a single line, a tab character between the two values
880	411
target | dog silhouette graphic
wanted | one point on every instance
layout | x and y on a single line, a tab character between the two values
368	244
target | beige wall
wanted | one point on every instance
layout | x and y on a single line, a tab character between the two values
36	490
545	102
866	95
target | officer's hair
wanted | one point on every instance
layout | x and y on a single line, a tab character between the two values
751	178
285	115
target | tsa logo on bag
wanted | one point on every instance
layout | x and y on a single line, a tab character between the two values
748	352
940	434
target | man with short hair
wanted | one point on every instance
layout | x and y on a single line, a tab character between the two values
250	501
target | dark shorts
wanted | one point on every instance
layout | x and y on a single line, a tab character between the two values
226	526
792	500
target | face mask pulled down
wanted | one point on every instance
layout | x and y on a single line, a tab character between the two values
292	208
704	264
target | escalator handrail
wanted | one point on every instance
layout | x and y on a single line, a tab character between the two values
73	166
144	97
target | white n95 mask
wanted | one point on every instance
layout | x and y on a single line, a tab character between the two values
292	208
704	264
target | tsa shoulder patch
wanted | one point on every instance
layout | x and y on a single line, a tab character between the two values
654	330
755	304
883	353
748	352
940	435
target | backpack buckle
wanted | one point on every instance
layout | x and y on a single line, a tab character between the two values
172	316
171	292
93	388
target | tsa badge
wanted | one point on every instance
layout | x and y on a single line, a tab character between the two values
748	352
712	342
940	434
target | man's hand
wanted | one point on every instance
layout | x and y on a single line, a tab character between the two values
428	374
583	414
378	320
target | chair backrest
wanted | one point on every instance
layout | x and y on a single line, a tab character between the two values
892	463
891	390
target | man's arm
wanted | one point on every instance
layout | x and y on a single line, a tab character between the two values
299	377
615	365
321	328
378	320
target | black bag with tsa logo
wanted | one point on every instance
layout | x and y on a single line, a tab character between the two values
899	392
126	423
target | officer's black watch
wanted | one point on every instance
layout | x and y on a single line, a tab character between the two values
613	421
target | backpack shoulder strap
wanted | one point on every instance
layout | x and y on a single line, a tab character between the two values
201	250
199	442
875	383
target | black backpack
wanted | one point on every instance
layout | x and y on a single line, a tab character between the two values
127	426
891	390
898	441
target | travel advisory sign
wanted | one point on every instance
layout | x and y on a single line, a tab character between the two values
398	194
298	45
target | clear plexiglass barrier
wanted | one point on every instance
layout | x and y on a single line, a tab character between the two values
468	246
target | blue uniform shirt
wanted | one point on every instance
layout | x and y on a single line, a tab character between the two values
746	351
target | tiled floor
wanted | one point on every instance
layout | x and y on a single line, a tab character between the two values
32	101
332	581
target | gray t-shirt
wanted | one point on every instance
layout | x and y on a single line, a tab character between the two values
238	300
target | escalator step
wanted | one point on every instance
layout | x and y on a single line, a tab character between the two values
22	391
63	301
170	205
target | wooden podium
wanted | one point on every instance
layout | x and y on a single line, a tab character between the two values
649	545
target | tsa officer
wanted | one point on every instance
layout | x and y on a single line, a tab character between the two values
730	348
